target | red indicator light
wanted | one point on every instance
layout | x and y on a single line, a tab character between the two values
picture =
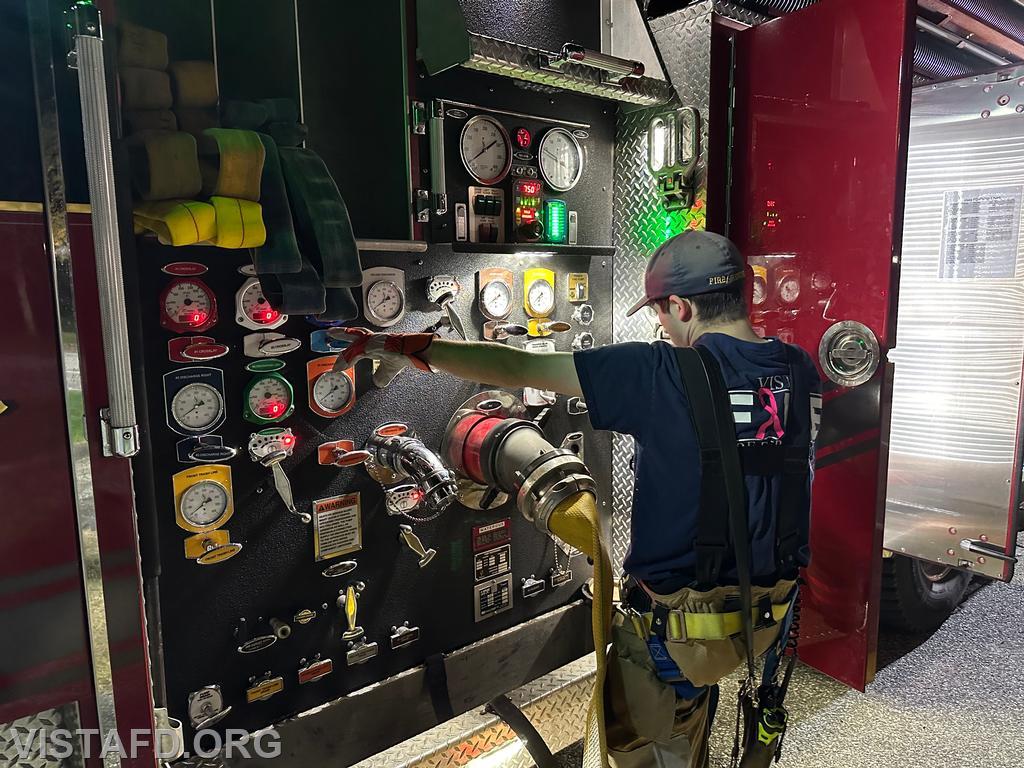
275	408
524	138
265	315
287	441
770	203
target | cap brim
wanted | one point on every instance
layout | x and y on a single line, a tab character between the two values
638	306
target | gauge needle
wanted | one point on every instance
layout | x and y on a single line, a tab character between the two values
483	150
554	157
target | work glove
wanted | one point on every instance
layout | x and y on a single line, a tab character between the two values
393	352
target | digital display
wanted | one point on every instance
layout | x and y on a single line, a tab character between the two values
527	188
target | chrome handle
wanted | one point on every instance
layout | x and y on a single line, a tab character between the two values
87	57
986	549
438	182
616	66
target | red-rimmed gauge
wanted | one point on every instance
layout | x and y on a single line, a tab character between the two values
523	138
187	305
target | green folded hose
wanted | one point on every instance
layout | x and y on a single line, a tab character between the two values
341	305
287	134
280	254
243	114
300	293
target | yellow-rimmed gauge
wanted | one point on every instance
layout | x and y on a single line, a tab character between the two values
203	497
539	292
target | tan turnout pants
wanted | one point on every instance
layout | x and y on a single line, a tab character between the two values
647	725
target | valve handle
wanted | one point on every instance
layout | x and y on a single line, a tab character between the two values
407	535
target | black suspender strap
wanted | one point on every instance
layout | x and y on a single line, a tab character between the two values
712	413
712	543
792	517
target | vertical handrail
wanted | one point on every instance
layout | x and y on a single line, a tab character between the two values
86	56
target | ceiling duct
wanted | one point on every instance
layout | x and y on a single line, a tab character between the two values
1002	17
940	62
445	41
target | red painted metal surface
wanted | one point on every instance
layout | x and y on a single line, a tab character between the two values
822	109
40	575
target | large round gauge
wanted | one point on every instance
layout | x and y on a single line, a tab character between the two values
486	150
253	310
197	407
789	289
540	298
204	505
269	397
496	299
187	305
385	302
333	391
561	159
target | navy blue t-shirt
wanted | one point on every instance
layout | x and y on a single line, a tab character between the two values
635	389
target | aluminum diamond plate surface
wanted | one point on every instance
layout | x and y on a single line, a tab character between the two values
500	57
739	13
19	734
640	223
556	704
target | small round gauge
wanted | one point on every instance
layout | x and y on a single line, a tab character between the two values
254	309
203	504
789	289
486	149
561	159
333	391
270	398
197	407
760	293
188	305
385	302
496	299
541	297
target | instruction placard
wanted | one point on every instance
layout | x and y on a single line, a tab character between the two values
980	233
337	526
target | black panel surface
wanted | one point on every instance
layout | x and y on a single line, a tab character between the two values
546	24
275	574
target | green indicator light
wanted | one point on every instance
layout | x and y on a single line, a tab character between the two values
555	221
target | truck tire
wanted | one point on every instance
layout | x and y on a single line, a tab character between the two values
918	596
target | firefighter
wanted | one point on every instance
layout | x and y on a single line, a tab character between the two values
678	629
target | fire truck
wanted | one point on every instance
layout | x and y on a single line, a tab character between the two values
208	528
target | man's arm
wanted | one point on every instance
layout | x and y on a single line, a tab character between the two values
504	366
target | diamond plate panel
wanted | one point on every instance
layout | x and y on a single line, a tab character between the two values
640	223
740	13
24	732
500	57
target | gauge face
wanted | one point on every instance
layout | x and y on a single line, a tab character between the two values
759	291
204	503
496	299
255	308
197	407
188	304
270	398
486	150
541	297
332	391
789	289
561	159
385	301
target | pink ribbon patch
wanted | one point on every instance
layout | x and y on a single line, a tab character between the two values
769	403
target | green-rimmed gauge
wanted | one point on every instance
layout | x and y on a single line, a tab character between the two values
268	398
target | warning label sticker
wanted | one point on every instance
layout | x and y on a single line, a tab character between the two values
980	233
337	526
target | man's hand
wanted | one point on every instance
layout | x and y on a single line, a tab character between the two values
393	351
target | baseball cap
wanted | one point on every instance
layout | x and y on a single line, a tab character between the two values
689	264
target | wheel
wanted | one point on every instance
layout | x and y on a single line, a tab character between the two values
918	596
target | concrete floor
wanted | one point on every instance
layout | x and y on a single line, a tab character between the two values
955	698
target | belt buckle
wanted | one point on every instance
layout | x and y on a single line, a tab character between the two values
675	631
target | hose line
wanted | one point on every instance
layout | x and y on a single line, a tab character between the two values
576	522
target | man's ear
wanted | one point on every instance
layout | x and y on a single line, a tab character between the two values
681	308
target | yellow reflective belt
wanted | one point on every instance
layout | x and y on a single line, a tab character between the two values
711	626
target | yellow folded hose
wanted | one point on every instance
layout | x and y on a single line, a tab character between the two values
176	222
576	522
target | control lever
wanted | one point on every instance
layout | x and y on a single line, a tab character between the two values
442	290
412	541
270	447
538	328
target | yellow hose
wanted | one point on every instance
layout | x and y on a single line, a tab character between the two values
575	521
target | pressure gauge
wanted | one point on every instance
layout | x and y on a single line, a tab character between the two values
202	497
789	288
194	400
203	505
197	407
561	159
268	398
485	149
331	392
187	304
539	292
384	295
253	311
496	300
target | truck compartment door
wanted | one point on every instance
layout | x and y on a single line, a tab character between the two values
821	111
